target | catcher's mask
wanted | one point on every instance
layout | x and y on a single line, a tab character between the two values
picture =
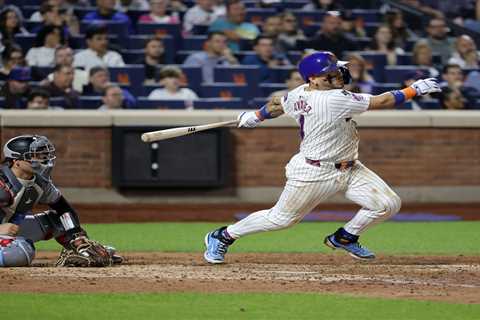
37	150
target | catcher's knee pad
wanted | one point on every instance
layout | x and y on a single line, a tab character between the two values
16	252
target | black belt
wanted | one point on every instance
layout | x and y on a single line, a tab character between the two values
339	165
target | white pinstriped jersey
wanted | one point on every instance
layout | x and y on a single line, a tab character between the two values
327	131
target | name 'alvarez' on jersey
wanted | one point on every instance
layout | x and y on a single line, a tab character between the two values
324	116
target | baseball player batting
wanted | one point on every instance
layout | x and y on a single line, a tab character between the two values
24	182
327	162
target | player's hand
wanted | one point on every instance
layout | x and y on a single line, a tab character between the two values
426	86
248	119
8	229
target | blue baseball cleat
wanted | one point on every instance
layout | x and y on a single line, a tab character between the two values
217	246
353	248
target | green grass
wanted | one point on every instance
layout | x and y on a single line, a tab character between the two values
224	306
446	238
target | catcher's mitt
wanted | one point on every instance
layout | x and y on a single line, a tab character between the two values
84	252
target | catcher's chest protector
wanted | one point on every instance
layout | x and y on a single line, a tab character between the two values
26	193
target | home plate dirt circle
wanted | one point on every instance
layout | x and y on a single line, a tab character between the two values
441	278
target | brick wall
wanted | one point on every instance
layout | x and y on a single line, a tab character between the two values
402	156
83	154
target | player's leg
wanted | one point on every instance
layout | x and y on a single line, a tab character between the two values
16	252
297	199
379	202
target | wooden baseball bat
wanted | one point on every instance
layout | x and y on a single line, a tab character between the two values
182	131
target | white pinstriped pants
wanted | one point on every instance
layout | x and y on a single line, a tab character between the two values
360	184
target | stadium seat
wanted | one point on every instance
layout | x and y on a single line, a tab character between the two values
40	73
407	59
31	25
375	63
368	15
134	15
433	104
81	12
396	74
93	102
199	29
193	42
26	41
219	103
132	75
379	88
133	56
119	29
280	74
257	102
306	18
225	90
57	102
145	103
2	102
267	88
161	30
294	56
248	75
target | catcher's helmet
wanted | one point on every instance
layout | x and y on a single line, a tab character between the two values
318	63
37	150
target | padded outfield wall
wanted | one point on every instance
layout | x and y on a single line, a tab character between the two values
428	156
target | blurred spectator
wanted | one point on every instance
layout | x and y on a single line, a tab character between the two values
361	81
61	86
97	53
51	14
201	14
382	42
331	36
215	53
177	6
154	56
452	99
234	25
219	8
290	33
126	5
271	27
265	57
324	5
400	32
99	80
112	98
422	57
39	99
16	87
158	13
47	40
170	80
106	12
10	25
454	79
64	57
438	39
465	54
294	80
12	56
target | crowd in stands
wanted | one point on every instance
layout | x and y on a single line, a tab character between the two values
114	54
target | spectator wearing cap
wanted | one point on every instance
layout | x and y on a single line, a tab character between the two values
97	53
12	56
438	39
64	56
234	25
422	57
39	99
383	42
452	99
215	53
106	12
112	98
154	56
465	54
201	14
454	78
48	39
169	77
158	13
265	57
99	79
61	86
361	81
16	87
331	36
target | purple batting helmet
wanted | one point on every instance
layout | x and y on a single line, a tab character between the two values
318	63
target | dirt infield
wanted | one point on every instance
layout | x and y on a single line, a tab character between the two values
441	278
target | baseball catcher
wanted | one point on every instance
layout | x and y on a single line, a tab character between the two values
25	181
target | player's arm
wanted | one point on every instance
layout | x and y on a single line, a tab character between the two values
68	216
272	109
393	98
